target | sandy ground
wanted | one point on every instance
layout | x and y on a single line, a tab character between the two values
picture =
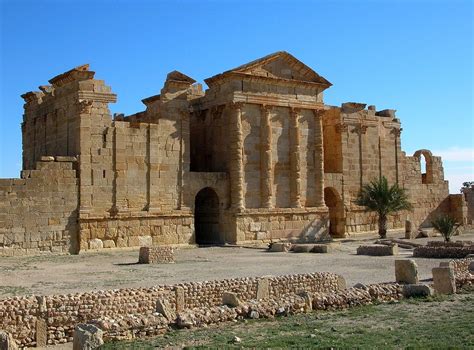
61	274
119	269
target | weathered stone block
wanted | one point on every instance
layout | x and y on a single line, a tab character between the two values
321	248
444	281
406	271
87	337
164	308
302	248
280	247
263	288
145	241
417	290
230	299
108	243
41	332
96	244
156	255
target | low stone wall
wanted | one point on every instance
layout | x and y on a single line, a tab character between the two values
134	326
19	315
449	244
443	252
378	250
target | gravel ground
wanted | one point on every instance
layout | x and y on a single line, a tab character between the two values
119	269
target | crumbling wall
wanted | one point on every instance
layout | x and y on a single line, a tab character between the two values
428	192
38	213
469	199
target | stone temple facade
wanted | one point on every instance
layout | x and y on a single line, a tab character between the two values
257	156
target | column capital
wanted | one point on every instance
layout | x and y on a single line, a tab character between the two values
236	105
396	131
342	127
266	108
361	129
295	112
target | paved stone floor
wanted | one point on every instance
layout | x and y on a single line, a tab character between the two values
118	268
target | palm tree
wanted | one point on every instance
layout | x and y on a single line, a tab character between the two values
445	225
378	196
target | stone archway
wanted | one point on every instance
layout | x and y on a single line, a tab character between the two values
333	201
425	158
206	217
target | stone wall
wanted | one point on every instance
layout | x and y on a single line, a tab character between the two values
306	224
469	198
18	315
38	213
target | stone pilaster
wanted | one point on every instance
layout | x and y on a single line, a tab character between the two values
295	161
266	173
397	132
236	156
319	158
153	176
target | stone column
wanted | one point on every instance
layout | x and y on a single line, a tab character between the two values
295	162
319	158
236	156
266	173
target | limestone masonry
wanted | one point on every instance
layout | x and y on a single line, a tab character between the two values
257	156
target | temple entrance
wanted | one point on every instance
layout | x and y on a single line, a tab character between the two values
336	212
206	217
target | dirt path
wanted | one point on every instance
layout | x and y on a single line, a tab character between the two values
118	269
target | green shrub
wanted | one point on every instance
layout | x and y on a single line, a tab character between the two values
445	225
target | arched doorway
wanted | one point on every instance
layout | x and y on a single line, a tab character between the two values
206	217
336	212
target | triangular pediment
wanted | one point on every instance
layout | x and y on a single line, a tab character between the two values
180	77
279	65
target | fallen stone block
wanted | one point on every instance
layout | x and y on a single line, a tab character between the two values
444	281
321	248
302	248
417	290
377	250
7	342
164	308
156	255
280	247
87	337
231	299
406	271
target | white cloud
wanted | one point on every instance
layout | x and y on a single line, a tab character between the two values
456	154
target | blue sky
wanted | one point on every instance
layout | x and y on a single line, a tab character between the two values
412	56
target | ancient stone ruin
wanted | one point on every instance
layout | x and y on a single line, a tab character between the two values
257	156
